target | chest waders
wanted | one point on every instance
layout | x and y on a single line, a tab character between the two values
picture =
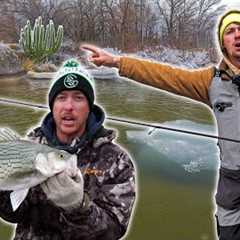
225	100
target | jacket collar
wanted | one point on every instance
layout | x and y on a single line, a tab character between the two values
227	70
94	126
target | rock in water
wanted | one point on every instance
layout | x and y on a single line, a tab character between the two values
9	61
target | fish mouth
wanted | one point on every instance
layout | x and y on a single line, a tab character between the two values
72	165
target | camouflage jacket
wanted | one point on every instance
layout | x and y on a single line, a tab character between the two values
109	186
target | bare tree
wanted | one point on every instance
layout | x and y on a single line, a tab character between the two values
169	11
24	10
126	24
207	12
188	23
8	31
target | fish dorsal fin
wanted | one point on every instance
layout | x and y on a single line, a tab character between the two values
6	135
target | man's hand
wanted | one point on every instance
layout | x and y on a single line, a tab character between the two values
100	57
64	190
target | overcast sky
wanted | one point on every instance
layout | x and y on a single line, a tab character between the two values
232	3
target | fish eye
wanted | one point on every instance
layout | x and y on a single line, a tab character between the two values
61	156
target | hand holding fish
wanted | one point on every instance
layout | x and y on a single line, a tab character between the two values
100	57
64	189
25	164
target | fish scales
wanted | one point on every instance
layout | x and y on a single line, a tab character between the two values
25	164
16	156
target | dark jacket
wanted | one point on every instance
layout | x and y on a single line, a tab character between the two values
109	186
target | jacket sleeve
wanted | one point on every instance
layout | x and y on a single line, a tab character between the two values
109	206
193	84
6	211
108	200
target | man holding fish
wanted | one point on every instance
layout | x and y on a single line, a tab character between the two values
68	180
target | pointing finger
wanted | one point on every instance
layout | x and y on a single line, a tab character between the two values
91	48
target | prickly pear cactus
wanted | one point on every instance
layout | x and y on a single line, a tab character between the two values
40	42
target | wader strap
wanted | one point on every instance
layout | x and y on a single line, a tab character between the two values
228	190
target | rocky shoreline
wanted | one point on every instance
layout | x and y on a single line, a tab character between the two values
10	63
12	58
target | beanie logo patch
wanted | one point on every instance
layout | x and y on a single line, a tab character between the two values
70	81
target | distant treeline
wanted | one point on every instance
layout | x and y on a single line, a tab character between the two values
125	24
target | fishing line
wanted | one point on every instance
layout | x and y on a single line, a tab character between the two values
122	120
27	104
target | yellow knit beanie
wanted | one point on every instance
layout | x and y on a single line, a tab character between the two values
232	16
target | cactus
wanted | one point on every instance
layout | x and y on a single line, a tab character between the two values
38	43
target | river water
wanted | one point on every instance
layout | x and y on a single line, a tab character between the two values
176	172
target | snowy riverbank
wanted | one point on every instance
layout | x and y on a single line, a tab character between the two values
181	58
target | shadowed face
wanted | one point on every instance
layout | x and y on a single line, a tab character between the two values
231	42
70	113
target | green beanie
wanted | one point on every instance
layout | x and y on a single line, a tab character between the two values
72	76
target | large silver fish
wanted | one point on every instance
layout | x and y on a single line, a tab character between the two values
24	164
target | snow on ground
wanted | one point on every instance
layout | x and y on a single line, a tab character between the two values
181	58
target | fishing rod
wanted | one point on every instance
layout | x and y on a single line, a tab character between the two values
122	120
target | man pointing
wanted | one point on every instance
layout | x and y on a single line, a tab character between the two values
219	88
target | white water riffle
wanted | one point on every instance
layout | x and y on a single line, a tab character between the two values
193	153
